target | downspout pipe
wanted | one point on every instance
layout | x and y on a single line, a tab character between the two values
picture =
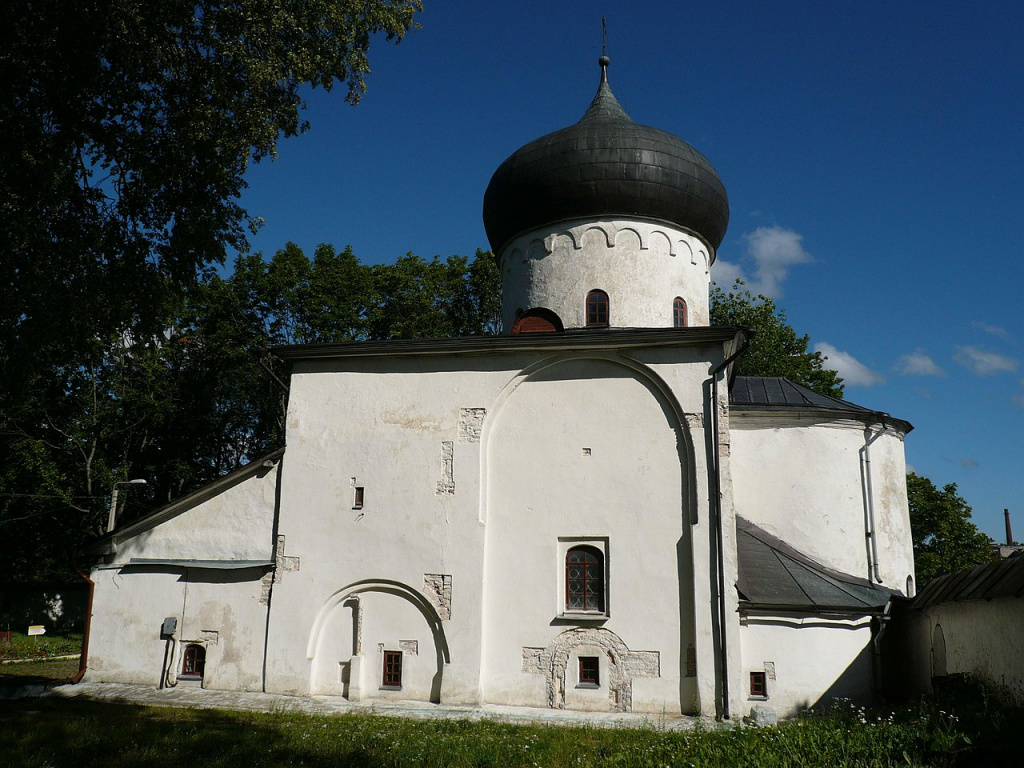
717	501
84	658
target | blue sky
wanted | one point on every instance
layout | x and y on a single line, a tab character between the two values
873	154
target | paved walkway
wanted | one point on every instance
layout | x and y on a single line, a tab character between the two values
195	697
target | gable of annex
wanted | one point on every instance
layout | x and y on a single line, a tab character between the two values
228	520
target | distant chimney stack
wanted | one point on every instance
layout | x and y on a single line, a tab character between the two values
1009	531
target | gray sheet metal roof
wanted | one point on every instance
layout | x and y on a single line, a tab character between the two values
773	575
605	165
1004	578
572	339
213	565
774	393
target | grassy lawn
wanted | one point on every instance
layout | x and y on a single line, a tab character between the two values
36	663
66	732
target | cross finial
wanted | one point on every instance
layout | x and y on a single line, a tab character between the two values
604	61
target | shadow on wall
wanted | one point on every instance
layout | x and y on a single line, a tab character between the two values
58	607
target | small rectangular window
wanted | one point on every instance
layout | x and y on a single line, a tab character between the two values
357	498
590	671
758	685
392	669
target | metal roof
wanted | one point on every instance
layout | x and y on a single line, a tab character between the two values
774	393
212	565
773	575
571	339
605	165
1004	578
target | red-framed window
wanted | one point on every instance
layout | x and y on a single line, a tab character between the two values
584	579
758	684
597	309
194	662
392	669
590	671
678	313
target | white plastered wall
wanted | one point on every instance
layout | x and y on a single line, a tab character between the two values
223	610
642	266
807	661
984	638
818	483
410	432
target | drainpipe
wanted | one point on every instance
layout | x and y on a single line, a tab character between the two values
717	501
84	658
869	500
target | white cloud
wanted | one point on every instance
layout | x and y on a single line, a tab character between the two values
995	330
918	364
983	363
771	252
725	273
969	463
854	372
1018	400
774	250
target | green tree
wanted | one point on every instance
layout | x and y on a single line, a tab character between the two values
128	126
945	539
776	349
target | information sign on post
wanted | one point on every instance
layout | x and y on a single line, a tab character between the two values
36	629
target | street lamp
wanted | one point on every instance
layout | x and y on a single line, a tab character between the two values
113	500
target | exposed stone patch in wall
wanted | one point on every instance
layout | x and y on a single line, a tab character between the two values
446	485
724	440
265	584
282	565
695	420
471	424
437	587
623	665
411	647
285	564
210	636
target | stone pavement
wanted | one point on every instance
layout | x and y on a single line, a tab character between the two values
200	698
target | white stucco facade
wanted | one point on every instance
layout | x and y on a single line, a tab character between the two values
643	266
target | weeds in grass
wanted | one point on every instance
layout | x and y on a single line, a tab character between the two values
61	732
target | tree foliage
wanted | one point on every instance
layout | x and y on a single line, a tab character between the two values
776	349
128	126
945	539
191	402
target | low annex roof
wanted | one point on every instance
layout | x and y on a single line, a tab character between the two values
774	576
774	393
1004	578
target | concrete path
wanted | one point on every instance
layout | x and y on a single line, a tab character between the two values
199	698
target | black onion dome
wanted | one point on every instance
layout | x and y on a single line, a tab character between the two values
605	165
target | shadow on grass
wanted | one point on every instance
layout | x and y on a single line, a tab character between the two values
74	732
38	672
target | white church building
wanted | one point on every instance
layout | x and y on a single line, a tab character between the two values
590	512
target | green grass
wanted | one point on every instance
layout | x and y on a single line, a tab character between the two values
66	732
40	646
